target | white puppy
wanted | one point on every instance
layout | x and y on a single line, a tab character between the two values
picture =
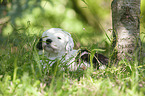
58	44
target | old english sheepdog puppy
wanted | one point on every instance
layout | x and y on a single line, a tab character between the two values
58	44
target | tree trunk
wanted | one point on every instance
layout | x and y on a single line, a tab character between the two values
126	27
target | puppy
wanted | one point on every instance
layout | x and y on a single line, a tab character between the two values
58	44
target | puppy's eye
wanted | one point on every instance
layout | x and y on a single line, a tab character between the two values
58	37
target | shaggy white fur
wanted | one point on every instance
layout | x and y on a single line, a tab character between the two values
58	44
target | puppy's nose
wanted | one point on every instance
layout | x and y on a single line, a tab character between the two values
48	41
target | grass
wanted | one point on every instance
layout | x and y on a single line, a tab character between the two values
21	74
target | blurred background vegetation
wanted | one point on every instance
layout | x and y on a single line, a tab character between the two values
87	20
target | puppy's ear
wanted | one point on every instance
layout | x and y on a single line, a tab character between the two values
39	44
69	45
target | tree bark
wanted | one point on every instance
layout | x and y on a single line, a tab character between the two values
126	27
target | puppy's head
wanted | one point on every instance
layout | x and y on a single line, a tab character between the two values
56	41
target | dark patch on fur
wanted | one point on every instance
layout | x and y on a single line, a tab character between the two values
84	55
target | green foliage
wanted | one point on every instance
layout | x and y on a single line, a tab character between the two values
41	15
142	11
22	74
25	86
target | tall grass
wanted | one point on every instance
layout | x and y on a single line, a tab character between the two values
21	74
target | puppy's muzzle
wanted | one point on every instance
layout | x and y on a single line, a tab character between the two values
50	45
